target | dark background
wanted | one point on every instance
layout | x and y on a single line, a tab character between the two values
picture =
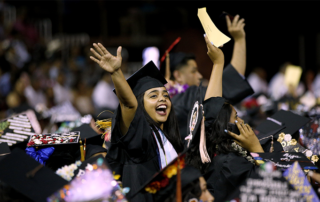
276	31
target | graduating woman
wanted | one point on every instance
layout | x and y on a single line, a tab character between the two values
226	150
145	135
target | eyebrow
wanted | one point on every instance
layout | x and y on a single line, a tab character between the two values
156	91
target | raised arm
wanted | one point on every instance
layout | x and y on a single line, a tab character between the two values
236	30
215	83
112	64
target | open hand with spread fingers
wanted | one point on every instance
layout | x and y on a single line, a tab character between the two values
236	27
247	139
105	60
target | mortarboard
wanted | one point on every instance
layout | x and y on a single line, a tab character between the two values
4	150
177	58
163	184
17	129
284	160
28	177
87	132
281	122
145	78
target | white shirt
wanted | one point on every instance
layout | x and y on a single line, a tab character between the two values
34	97
258	85
103	96
171	153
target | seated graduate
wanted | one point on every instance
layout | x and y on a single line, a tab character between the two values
231	162
145	135
235	86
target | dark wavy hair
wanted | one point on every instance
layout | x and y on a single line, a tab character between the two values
217	141
170	127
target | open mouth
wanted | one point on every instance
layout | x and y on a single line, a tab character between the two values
162	110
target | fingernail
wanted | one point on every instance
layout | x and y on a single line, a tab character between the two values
310	173
204	35
236	121
225	130
212	43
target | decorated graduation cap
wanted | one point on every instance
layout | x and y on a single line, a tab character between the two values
28	177
266	184
284	160
281	122
145	78
17	129
163	184
196	125
90	180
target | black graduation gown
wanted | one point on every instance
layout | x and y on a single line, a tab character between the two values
134	155
235	89
227	172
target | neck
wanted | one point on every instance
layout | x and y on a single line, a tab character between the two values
161	126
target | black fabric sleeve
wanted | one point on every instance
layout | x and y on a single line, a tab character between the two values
234	86
137	142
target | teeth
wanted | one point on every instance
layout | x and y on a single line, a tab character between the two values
162	107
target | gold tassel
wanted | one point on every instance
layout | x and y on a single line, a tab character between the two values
271	148
81	151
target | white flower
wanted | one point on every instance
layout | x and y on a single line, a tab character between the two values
78	163
287	137
308	153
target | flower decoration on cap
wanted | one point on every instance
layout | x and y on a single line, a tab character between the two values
67	172
281	137
314	158
164	178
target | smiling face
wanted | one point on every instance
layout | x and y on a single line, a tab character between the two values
157	104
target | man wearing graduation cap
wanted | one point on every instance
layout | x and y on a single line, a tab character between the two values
235	86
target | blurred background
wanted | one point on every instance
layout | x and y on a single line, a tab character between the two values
44	45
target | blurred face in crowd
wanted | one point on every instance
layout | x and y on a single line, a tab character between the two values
157	104
188	74
205	194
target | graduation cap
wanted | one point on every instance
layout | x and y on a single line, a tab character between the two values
299	181
87	132
163	184
266	184
284	160
4	150
145	78
196	124
17	129
282	121
28	177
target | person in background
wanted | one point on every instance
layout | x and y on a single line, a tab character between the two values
103	98
278	89
258	80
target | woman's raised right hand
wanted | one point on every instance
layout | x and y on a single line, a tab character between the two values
105	60
214	53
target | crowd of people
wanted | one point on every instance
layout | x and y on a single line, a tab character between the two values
167	135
